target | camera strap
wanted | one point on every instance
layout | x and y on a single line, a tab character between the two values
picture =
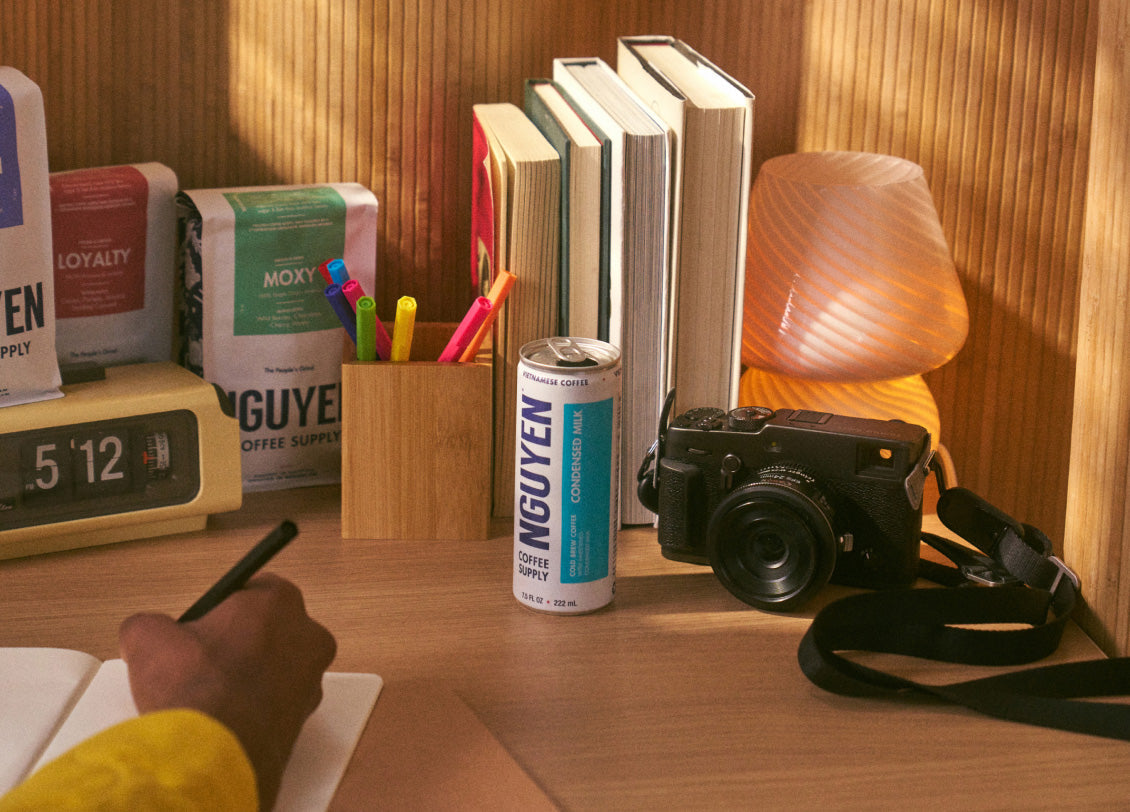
1011	577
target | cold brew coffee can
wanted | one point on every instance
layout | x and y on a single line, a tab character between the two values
567	475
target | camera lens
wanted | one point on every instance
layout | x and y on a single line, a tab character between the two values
769	551
771	541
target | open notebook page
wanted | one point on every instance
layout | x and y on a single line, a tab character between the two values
39	687
320	756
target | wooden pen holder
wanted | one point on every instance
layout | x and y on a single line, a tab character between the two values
416	445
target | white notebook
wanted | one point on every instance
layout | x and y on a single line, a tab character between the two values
52	699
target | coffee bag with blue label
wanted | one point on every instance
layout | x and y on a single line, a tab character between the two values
29	370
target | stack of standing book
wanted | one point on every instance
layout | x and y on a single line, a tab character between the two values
638	225
653	166
711	120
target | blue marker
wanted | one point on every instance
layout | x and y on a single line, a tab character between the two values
337	271
341	307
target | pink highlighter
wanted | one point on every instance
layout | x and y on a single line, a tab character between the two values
353	292
466	330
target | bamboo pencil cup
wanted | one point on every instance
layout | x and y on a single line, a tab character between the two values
416	445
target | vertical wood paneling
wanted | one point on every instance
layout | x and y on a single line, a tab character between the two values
991	97
242	92
1097	541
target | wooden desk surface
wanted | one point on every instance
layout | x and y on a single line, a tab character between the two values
676	696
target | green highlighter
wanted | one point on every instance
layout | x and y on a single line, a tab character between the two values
366	329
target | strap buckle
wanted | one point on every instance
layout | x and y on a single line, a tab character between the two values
988	575
1063	571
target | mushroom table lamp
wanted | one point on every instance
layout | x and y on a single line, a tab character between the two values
851	291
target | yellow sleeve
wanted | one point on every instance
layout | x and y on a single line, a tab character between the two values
170	760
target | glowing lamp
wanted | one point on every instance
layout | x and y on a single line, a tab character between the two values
848	275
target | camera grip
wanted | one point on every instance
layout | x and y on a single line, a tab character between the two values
680	488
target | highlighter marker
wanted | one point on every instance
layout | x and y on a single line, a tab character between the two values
503	282
353	291
402	328
344	312
338	272
324	270
383	342
366	329
466	330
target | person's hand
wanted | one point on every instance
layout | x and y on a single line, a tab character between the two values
254	663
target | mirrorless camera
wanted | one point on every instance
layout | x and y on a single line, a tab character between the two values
779	503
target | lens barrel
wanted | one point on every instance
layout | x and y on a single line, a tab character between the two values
771	541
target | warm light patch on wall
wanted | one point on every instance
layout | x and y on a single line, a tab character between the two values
293	88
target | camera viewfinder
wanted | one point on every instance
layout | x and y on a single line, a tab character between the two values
880	461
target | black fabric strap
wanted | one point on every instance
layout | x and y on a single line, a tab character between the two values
1036	590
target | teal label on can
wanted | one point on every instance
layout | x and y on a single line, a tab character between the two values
566	475
586	495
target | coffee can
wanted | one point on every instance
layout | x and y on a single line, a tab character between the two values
567	474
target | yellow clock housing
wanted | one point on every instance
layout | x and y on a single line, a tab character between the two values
148	450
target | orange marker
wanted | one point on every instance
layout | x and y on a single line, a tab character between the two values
503	281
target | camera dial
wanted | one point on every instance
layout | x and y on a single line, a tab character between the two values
771	541
749	418
703	418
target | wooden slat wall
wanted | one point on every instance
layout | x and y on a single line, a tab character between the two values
992	97
242	92
1097	537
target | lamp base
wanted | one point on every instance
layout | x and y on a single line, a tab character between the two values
906	399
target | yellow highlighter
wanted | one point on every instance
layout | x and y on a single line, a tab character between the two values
402	328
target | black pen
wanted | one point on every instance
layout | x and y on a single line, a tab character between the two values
238	575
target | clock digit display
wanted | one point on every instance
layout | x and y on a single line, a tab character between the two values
46	466
96	468
47	471
101	464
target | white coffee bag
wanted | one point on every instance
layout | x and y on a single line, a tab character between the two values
256	321
114	253
28	367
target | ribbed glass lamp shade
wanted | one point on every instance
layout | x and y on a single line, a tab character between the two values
906	399
848	275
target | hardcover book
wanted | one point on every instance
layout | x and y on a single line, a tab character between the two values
638	268
585	163
711	119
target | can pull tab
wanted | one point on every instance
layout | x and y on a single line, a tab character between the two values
568	353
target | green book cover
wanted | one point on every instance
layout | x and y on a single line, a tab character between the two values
544	120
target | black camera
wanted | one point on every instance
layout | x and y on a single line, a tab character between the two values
781	502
